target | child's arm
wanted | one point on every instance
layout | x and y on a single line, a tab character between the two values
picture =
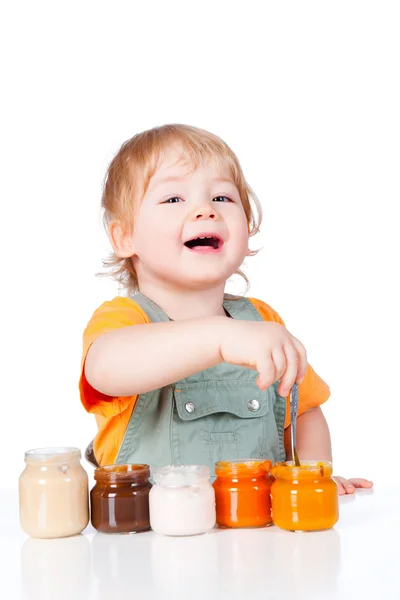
137	359
313	437
140	358
314	443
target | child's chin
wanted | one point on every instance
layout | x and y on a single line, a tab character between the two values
205	279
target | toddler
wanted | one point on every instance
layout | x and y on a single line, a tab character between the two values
177	371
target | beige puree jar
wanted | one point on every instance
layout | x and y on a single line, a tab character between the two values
53	493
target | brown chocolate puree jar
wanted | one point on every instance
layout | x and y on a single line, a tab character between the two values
120	499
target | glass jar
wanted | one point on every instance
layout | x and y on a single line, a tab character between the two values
120	499
53	493
182	500
304	498
242	493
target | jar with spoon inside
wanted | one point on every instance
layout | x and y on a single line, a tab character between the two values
305	497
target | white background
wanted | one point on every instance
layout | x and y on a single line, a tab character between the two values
306	93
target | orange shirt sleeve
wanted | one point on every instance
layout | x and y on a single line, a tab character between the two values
117	313
112	414
313	391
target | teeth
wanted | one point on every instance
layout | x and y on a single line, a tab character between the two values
208	237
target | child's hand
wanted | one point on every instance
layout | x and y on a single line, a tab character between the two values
268	348
348	486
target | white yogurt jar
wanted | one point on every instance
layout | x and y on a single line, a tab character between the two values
182	500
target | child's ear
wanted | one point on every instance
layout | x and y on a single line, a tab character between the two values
121	240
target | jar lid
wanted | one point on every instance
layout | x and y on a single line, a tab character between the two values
180	475
121	473
52	454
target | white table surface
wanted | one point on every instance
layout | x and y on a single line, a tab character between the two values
359	558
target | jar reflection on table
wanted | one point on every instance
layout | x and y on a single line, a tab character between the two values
56	569
53	493
242	493
185	567
304	498
120	564
120	499
245	562
315	564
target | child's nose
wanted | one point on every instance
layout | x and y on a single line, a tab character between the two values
205	214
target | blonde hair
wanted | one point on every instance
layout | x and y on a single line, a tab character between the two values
130	171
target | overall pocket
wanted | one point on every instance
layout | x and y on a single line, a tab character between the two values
223	420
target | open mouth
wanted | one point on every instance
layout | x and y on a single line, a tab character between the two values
208	241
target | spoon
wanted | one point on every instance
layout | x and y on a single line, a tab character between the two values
294	405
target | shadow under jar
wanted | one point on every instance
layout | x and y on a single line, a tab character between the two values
120	499
304	498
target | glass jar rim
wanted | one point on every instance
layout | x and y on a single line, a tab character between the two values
322	468
52	454
243	466
180	475
120	473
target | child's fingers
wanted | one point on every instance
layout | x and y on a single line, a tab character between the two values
266	372
280	362
344	486
292	365
340	488
348	486
302	360
359	482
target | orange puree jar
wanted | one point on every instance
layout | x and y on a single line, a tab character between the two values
304	498
242	493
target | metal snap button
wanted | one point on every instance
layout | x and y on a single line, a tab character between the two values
253	405
190	407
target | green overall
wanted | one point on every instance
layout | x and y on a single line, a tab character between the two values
217	414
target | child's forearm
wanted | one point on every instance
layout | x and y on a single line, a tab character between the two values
313	437
137	359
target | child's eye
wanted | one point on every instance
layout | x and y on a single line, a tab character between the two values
173	200
222	199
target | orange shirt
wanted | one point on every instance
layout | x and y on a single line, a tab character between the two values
113	414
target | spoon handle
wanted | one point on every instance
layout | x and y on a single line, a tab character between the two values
294	405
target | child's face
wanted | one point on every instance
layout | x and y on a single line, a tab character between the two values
181	207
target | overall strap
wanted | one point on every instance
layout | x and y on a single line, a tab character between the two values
241	308
152	310
238	307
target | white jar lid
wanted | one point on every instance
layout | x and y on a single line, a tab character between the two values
180	475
